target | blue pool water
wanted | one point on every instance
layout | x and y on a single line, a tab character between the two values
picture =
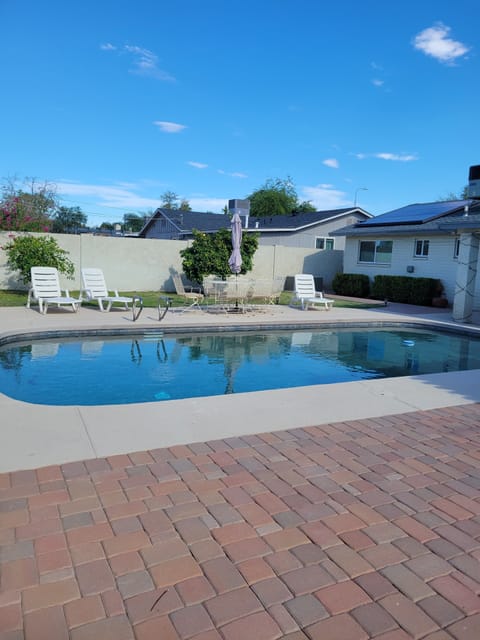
113	370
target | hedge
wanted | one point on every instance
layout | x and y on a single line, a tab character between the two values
355	285
406	289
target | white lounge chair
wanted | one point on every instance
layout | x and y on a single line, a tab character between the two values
46	290
95	288
306	294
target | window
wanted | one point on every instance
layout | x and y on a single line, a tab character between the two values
375	251
456	249
325	243
421	248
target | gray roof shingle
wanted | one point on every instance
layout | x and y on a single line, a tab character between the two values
187	221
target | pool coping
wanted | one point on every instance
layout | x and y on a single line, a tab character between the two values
40	435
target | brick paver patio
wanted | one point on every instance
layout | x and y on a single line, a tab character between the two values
348	531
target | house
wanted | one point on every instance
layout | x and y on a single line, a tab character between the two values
434	240
307	230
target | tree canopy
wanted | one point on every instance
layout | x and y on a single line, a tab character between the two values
209	253
26	207
26	251
170	200
68	220
133	222
277	197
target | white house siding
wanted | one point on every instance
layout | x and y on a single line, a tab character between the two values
440	262
306	237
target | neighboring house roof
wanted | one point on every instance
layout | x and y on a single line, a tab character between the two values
430	218
187	221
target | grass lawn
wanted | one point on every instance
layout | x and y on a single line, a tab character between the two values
151	298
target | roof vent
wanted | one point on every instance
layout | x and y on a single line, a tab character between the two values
473	189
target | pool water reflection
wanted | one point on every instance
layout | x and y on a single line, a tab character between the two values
122	370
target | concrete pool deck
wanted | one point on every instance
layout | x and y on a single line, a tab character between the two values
97	431
347	512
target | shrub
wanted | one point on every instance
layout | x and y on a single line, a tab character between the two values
24	252
356	285
406	289
209	254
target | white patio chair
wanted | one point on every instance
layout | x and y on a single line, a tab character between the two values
306	294
45	290
95	288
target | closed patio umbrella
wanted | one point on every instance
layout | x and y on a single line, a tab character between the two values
235	261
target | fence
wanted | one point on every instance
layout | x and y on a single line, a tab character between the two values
137	264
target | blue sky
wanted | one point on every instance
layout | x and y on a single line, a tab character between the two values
117	102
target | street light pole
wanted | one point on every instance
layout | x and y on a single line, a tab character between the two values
356	192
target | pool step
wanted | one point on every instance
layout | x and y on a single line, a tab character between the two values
153	336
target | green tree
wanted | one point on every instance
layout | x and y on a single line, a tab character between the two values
133	222
26	251
209	254
304	207
106	226
68	220
169	200
185	205
463	195
277	197
27	207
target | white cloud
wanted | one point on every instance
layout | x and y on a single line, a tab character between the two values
169	127
119	197
233	174
145	62
377	82
324	196
331	162
435	42
197	165
397	157
202	203
107	195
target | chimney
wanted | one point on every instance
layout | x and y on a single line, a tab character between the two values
242	207
473	189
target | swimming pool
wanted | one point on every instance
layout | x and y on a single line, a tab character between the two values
103	370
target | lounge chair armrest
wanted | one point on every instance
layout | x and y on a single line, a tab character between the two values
116	293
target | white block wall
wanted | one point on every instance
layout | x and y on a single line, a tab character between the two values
137	264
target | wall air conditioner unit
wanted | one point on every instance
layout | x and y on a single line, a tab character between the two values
473	189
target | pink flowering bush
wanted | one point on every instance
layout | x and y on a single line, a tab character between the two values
17	213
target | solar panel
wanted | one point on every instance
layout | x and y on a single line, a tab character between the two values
416	213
